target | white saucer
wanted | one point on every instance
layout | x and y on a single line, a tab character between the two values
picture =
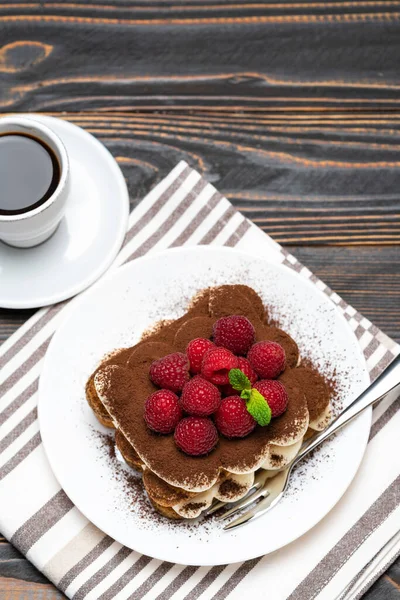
113	314
88	238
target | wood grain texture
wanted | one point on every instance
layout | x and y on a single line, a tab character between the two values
162	53
367	278
308	181
19	579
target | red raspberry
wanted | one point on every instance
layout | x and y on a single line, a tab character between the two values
196	436
244	366
268	359
200	397
275	394
170	372
195	351
235	333
162	411
233	419
216	365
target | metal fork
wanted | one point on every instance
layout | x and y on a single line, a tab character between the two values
270	491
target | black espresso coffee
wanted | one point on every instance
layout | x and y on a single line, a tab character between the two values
29	173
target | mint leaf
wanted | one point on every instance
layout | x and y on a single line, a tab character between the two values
256	404
245	395
258	408
238	380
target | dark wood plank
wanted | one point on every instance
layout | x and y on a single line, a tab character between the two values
10	320
13	564
16	589
257	55
366	277
387	587
307	182
383	589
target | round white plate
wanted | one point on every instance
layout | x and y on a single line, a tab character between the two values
88	237
114	314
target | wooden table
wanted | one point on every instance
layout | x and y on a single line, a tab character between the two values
291	108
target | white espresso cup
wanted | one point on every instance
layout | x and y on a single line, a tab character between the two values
32	227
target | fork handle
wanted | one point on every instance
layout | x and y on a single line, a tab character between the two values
383	385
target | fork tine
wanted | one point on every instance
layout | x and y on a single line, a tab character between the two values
213	508
270	495
271	498
259	509
247	501
258	482
250	514
217	505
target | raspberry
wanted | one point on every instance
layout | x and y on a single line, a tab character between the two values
162	411
195	351
196	436
275	394
216	365
244	366
235	333
268	359
200	397
170	372
233	419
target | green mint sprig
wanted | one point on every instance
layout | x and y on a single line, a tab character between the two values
238	380
256	404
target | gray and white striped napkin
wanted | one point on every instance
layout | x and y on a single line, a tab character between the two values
336	557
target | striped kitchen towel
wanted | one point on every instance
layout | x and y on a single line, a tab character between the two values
84	563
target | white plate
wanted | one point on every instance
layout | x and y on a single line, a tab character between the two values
87	239
113	314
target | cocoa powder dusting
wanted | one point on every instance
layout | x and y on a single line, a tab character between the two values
276	460
230	488
197	327
134	500
109	445
315	389
161	492
129	386
130	483
274	334
194	506
234	300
